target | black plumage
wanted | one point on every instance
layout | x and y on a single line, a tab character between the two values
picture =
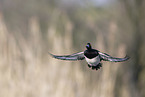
92	56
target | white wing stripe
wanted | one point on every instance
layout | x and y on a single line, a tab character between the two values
75	56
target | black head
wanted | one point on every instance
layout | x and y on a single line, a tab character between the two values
88	46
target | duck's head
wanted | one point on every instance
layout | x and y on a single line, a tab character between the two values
88	46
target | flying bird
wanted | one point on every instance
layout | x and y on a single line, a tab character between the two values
92	56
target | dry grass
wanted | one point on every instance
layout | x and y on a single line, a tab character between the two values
27	71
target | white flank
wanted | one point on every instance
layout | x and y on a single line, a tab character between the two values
94	61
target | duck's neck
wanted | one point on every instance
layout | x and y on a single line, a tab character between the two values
89	49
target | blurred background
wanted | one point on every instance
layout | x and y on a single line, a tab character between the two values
29	29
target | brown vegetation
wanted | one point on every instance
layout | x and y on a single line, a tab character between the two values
29	30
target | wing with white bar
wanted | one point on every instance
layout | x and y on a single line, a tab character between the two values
73	57
107	57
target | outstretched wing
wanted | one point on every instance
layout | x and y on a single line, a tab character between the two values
107	57
73	57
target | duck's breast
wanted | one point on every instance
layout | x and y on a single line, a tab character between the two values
94	61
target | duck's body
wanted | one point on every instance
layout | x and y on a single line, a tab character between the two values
94	61
92	56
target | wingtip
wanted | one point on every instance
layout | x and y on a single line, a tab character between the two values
127	57
50	54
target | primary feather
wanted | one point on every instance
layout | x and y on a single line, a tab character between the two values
73	57
107	57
